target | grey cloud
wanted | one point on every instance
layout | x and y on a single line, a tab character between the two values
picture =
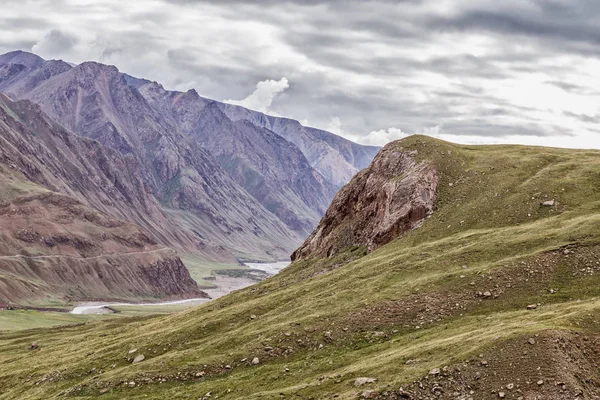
378	64
24	23
592	119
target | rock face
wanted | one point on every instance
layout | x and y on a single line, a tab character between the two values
237	179
393	195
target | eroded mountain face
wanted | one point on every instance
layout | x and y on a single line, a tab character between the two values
241	181
56	246
393	195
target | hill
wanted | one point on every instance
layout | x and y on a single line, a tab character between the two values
493	295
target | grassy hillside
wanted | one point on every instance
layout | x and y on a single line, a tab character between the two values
453	293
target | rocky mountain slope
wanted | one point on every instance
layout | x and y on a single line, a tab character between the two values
54	247
96	101
334	157
238	184
495	295
273	170
392	196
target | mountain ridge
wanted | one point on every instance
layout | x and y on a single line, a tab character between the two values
280	195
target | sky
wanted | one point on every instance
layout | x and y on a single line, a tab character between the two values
468	71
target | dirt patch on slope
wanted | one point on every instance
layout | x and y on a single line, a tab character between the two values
550	365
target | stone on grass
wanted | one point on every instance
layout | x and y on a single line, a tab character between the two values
363	381
139	358
255	361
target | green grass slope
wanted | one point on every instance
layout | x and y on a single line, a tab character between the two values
452	294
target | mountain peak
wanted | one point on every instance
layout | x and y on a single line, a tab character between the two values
30	60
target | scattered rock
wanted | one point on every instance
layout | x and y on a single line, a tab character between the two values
549	203
139	358
540	382
435	371
368	394
255	361
532	306
363	381
510	386
132	351
531	341
253	316
35	346
501	395
487	294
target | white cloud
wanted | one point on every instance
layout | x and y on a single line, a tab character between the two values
262	98
55	44
383	136
335	126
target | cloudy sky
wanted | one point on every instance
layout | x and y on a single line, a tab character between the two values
475	71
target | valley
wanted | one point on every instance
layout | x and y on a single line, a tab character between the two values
134	194
299	200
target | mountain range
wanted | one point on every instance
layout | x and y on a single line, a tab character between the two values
218	182
198	155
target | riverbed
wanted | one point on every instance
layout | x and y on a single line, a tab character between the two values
223	285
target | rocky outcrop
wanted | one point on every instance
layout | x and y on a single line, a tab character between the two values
390	197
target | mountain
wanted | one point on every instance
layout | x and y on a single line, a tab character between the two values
493	295
240	185
335	158
273	170
64	206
